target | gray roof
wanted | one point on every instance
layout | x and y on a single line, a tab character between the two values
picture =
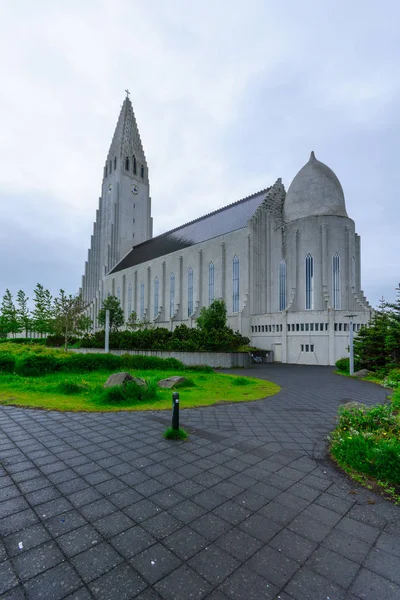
225	220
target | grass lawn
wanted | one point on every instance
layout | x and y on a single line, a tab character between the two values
205	389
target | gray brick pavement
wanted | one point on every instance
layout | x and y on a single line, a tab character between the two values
101	506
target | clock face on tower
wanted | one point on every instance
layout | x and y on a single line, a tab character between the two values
135	189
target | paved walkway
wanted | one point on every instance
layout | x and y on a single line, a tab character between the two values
100	506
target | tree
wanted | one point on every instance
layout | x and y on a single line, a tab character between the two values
132	323
84	325
112	304
9	321
67	316
213	317
43	311
23	312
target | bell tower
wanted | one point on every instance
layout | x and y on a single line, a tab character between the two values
123	218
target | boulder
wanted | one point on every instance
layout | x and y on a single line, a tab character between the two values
118	379
353	405
171	382
139	381
361	373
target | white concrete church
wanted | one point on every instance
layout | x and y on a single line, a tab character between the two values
287	264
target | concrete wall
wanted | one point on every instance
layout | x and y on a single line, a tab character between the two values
217	360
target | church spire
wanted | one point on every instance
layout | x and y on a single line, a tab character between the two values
126	141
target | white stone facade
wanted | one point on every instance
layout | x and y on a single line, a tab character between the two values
287	265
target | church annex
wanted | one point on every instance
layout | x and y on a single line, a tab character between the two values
287	264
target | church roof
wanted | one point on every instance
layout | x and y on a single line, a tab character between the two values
224	220
126	139
314	191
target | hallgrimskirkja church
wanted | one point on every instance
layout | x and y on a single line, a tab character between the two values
287	264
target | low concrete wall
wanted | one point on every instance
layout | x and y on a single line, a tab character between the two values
218	360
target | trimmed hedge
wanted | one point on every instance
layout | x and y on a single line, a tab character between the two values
182	339
39	341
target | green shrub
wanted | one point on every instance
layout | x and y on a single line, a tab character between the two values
24	341
58	341
377	418
368	441
70	388
7	362
242	381
392	379
343	365
126	394
188	383
34	365
76	362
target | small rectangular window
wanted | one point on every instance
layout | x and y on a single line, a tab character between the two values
259	329
252	329
321	326
340	327
354	326
316	326
288	327
312	348
307	347
302	327
335	326
307	326
326	326
269	328
262	328
302	347
344	326
311	326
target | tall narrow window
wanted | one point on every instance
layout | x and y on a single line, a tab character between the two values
127	163
110	166
105	171
309	282
353	271
171	295
142	171
142	300
119	294
190	291
210	283
156	288
336	280
235	284
115	162
282	285
129	299
134	165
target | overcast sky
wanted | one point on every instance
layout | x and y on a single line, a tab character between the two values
228	97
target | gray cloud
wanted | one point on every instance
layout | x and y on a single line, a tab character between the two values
226	99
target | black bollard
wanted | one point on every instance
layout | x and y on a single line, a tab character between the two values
175	411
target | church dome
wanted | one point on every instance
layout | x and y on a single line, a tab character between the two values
314	191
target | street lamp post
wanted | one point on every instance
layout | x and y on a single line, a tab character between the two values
351	343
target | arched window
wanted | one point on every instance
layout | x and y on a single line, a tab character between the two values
309	282
190	291
119	294
353	271
115	162
282	285
156	289
171	295
142	171
129	299
336	280
210	283
235	284
134	165
142	300
127	163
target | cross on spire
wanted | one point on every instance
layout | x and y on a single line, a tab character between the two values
127	92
